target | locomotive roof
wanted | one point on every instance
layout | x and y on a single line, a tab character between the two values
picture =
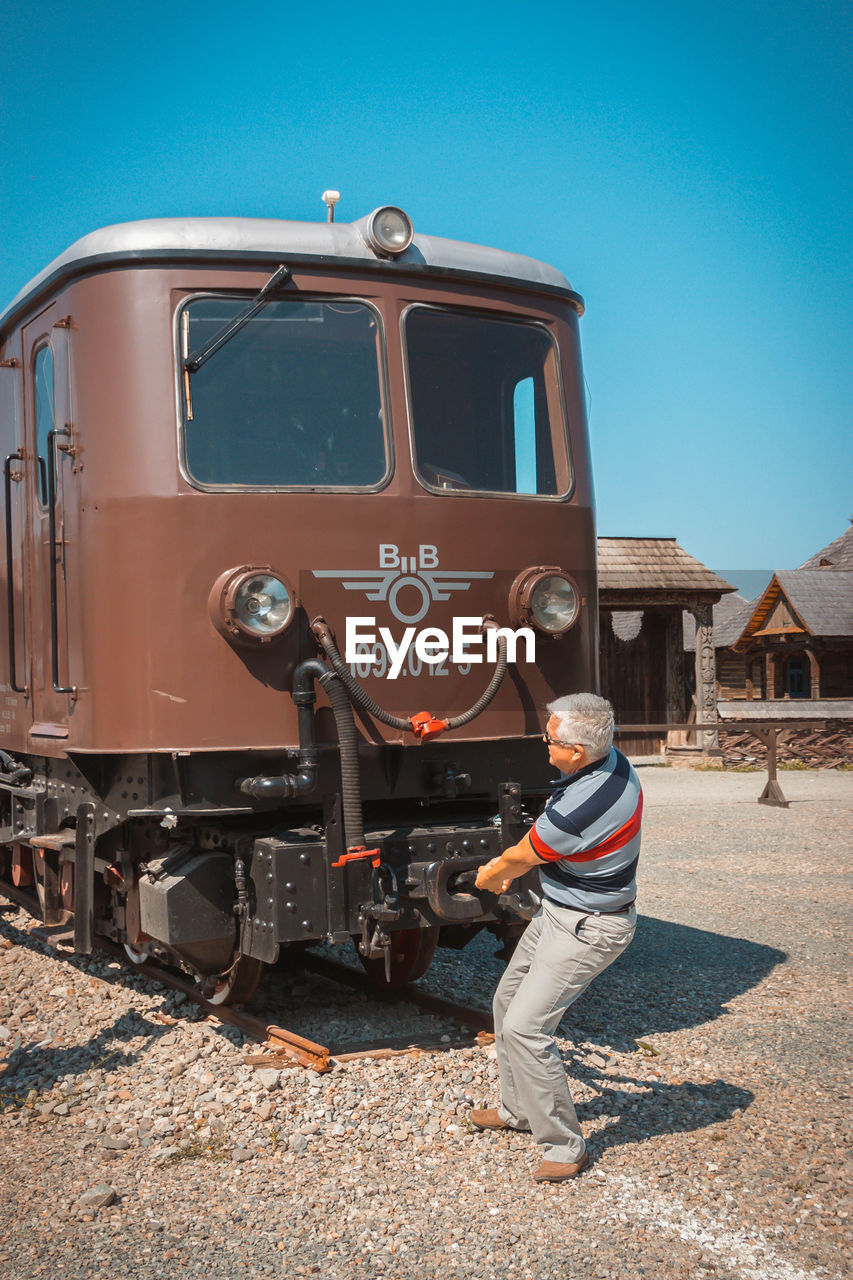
253	239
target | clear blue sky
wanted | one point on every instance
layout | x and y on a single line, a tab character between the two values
688	166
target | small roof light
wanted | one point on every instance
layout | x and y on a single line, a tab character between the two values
389	230
330	199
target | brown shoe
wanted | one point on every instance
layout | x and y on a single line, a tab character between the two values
487	1119
554	1171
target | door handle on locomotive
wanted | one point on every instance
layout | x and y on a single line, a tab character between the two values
51	519
10	585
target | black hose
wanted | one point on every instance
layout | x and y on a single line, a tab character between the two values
289	785
456	722
350	772
356	692
367	704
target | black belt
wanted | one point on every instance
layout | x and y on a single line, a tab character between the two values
592	911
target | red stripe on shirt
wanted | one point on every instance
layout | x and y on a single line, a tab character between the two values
617	841
545	851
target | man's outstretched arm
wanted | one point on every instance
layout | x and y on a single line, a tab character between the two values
496	876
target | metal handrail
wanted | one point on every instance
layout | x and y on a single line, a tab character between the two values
51	517
10	584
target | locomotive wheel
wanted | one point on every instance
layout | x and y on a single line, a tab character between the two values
238	984
22	866
412	951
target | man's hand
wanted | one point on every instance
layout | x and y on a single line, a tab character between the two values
491	878
497	875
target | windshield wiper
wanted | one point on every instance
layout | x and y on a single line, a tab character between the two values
193	363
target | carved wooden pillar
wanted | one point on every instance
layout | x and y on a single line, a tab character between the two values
814	668
706	675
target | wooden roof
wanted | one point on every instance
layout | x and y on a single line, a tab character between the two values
653	567
838	555
823	602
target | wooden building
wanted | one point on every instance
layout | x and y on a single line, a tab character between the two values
798	640
644	585
795	641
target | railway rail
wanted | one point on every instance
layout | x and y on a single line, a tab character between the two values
281	1047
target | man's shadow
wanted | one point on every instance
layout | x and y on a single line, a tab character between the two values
672	977
658	1107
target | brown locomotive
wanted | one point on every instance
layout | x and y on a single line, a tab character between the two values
298	542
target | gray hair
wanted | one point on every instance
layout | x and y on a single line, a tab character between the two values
585	720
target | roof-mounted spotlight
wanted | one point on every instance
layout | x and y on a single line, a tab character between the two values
389	230
330	199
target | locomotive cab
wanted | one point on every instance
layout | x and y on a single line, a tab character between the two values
299	541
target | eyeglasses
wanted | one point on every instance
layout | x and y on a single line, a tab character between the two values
557	742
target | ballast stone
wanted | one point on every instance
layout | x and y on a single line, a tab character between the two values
268	1078
97	1197
116	1142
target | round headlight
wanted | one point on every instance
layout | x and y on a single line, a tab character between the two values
262	605
389	230
546	598
554	604
252	605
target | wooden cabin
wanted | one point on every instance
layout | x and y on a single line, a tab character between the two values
644	585
795	641
798	640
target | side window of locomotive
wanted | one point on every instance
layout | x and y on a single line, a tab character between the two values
44	414
292	400
524	433
486	405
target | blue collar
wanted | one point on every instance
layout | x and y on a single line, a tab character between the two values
566	779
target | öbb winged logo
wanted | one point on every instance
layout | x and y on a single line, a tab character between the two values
397	573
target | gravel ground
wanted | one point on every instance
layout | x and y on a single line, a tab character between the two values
710	1067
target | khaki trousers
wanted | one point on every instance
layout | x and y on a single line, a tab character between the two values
559	954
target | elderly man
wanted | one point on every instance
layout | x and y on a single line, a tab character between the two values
586	844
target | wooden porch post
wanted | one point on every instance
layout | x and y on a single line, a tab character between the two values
814	668
706	674
770	674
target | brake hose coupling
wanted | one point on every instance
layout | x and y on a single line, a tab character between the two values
426	726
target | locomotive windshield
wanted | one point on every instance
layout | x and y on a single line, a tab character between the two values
486	404
292	400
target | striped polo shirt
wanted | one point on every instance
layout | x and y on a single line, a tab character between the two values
589	836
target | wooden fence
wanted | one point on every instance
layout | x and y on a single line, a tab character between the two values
817	744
